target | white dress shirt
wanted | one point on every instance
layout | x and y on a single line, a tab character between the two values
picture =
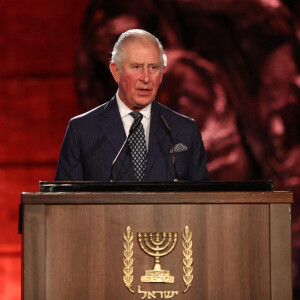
127	119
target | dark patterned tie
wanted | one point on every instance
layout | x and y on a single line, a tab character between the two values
137	143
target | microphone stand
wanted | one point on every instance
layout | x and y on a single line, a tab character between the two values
168	132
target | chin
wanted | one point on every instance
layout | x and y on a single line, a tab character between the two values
144	102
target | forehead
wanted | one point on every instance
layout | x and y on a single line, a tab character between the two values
142	52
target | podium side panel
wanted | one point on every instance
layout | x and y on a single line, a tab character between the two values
281	260
34	252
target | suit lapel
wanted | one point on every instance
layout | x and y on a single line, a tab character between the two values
113	128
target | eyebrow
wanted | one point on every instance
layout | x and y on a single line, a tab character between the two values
141	64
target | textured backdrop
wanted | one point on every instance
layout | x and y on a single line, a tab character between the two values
233	66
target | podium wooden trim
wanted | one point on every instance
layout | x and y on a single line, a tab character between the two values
72	243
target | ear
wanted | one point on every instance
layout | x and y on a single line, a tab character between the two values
115	72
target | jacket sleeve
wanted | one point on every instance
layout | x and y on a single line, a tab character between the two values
198	162
69	166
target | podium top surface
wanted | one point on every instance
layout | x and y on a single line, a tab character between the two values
204	186
156	193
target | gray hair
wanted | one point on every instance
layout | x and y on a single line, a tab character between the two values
118	53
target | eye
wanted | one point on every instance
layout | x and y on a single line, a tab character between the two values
153	69
136	67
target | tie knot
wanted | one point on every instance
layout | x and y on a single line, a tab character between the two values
135	114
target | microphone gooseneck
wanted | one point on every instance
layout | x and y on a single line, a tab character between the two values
168	132
132	129
165	126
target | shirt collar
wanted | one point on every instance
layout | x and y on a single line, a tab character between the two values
125	110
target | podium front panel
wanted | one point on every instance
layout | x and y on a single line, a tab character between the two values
92	251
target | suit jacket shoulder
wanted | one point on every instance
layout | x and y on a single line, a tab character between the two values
178	123
91	117
91	141
164	110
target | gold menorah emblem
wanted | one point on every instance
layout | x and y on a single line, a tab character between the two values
157	245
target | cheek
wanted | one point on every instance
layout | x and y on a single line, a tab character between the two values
131	81
126	85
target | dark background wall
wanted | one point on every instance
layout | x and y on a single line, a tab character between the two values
233	67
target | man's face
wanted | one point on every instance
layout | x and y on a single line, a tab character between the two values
140	76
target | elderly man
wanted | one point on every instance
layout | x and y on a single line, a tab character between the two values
132	137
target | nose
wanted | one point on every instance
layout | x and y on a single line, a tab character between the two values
145	75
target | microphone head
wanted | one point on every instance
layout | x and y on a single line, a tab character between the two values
165	125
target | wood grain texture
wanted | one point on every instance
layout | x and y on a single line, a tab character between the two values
33	252
281	252
76	251
231	249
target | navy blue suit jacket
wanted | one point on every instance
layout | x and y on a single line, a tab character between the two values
93	140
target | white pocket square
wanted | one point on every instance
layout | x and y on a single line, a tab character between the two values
179	148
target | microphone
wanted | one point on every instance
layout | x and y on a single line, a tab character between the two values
132	129
168	132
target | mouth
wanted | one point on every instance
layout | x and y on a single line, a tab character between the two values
144	91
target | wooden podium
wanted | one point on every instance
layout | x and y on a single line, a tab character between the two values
81	242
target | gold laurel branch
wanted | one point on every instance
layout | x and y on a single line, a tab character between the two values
128	260
187	258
